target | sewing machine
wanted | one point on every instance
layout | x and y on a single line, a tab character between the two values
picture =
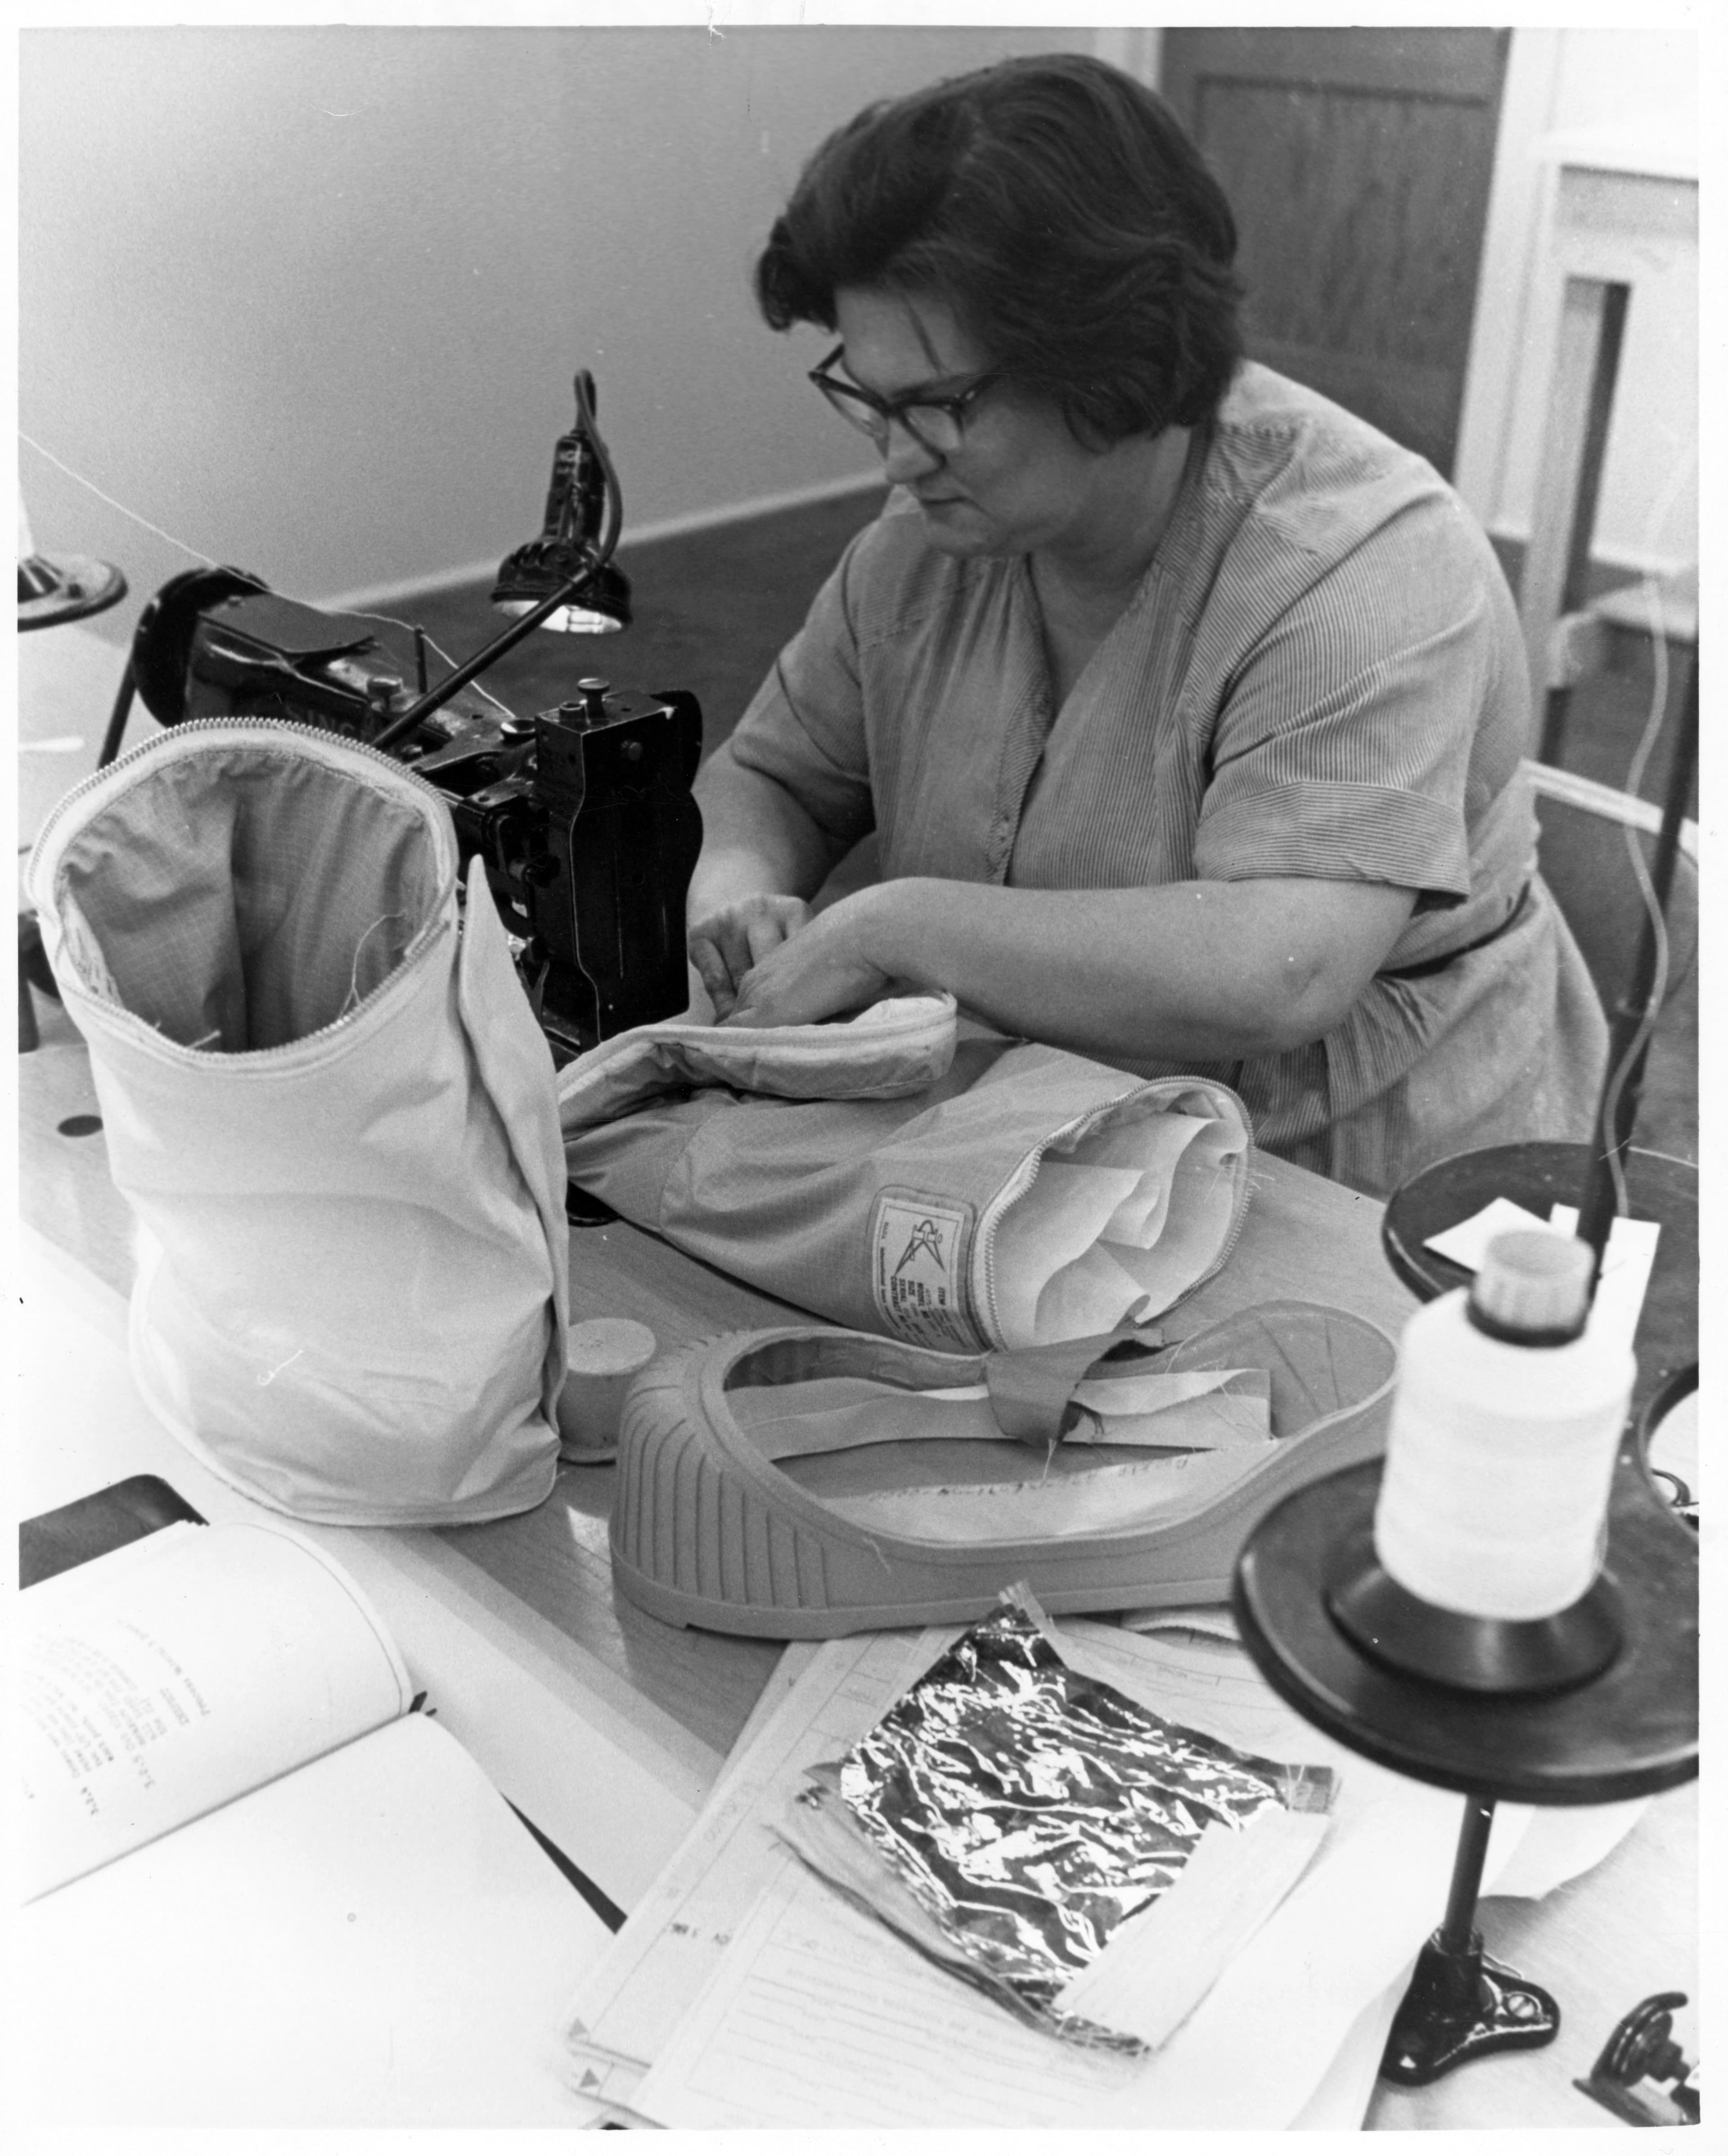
582	814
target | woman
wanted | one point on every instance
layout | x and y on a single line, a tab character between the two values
1186	708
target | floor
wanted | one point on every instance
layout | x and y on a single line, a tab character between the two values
714	608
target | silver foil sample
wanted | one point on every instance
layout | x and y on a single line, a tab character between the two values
1029	1809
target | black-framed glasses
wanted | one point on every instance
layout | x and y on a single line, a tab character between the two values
936	423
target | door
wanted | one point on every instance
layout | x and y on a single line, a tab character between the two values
1358	163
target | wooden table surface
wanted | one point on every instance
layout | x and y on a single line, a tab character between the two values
1600	1943
1603	1943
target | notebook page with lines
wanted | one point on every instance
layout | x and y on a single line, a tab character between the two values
809	2015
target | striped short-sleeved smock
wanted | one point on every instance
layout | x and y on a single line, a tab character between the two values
1321	675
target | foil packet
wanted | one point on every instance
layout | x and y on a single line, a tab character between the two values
1009	1814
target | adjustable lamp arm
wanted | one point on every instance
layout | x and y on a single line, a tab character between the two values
568	513
506	641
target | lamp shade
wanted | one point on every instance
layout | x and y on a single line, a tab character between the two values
64	587
535	571
579	532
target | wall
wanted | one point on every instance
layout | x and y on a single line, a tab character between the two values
310	299
1633	86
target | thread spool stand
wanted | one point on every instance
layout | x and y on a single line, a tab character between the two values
1462	2003
1489	1712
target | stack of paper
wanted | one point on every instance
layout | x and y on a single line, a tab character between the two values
744	1992
1113	1228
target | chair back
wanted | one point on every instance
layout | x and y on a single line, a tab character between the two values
1586	863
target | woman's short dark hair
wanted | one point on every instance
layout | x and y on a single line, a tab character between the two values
1058	207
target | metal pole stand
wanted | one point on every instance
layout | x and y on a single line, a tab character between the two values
1462	2003
1628	1730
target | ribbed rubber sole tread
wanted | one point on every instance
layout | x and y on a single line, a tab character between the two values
705	1532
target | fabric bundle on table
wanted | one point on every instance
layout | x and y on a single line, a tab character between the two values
1011	1195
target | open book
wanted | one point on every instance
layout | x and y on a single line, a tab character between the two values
259	1890
180	1671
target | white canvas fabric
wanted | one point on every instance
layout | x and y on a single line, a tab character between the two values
331	1108
1018	1196
896	1047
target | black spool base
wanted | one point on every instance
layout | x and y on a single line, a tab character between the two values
1629	1730
1489	1654
1463	2005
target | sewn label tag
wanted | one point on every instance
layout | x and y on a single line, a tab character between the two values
919	1247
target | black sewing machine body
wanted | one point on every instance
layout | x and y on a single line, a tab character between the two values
582	814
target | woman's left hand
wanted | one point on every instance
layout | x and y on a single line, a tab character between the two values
821	971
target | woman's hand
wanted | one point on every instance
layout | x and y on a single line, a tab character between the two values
727	942
816	972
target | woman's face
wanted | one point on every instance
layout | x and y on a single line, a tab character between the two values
1019	481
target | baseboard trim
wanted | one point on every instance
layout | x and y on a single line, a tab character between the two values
369	597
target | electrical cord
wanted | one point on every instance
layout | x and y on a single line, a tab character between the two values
1637	1046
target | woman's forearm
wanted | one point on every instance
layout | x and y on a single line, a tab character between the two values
1200	970
756	838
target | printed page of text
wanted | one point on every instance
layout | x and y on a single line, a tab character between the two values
174	1674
